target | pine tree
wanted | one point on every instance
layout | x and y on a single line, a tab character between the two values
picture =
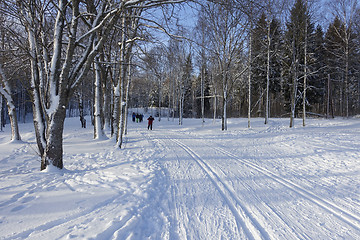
187	86
316	94
259	65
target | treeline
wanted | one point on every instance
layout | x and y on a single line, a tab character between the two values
242	58
257	59
260	59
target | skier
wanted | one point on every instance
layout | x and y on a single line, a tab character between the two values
150	122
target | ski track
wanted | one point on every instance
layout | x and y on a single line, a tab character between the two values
244	219
244	215
344	215
183	213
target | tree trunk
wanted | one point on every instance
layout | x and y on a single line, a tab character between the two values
293	99
202	96
127	95
15	134
181	107
98	126
224	118
107	104
116	112
294	83
160	97
122	84
6	93
39	123
80	99
267	72
54	146
215	105
249	76
305	71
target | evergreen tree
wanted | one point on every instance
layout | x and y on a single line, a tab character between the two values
264	39
187	86
259	67
318	81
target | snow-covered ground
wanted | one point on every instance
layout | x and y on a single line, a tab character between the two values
187	182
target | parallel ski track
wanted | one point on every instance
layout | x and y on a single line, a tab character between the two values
342	214
244	219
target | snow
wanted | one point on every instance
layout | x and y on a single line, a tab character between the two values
187	182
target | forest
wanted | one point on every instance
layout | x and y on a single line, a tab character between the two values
196	59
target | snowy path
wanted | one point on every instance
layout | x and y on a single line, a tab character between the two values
188	182
222	194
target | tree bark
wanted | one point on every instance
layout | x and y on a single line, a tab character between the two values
98	114
6	93
54	147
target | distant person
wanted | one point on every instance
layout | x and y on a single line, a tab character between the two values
133	117
150	122
141	117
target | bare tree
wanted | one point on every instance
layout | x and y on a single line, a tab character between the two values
298	29
272	8
59	62
345	10
5	91
226	29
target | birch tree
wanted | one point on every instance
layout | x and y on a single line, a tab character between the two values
59	62
298	29
56	70
5	91
226	29
272	32
130	29
5	81
345	10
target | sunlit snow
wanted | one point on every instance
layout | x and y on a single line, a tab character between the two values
187	182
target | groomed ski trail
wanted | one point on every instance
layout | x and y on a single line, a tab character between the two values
253	216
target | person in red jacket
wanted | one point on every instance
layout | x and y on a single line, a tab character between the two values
150	122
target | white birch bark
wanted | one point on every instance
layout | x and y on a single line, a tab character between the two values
305	68
98	126
127	96
122	84
55	80
181	107
5	91
294	85
249	78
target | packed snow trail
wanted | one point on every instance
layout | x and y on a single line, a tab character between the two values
243	200
187	182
